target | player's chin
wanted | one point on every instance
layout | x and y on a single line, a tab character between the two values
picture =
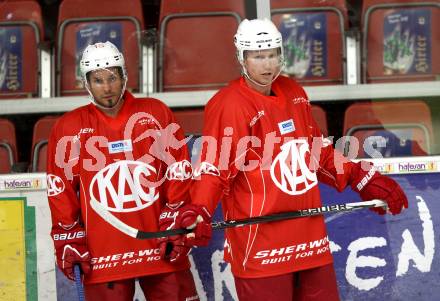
266	79
109	102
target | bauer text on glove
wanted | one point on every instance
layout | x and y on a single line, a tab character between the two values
70	249
370	184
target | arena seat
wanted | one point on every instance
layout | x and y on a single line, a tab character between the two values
401	40
314	39
21	31
405	126
190	120
83	22
8	146
40	138
320	117
196	49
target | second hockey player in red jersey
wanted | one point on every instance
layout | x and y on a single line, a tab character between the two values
125	154
267	156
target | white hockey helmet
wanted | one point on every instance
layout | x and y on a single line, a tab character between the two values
99	56
257	34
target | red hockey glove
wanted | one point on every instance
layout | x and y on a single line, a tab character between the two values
188	216
171	248
71	249
370	184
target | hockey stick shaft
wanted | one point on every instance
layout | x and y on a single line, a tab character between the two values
139	234
295	214
78	284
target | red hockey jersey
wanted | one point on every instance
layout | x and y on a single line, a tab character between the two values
263	155
132	164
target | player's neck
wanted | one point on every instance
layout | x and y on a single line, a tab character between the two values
113	112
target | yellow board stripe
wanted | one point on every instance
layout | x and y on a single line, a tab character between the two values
12	251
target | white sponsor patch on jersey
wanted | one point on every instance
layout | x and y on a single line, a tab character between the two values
123	186
120	146
289	170
55	185
286	126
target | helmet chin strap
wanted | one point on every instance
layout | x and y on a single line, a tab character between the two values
92	99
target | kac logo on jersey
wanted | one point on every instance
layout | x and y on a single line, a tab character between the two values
123	186
55	185
286	126
289	170
120	146
206	168
180	171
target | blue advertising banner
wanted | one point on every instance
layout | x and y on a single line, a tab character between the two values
389	257
91	33
10	59
305	44
407	42
376	257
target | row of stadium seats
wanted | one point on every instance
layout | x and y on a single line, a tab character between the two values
195	51
408	131
9	149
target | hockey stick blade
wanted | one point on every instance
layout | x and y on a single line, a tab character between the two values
139	234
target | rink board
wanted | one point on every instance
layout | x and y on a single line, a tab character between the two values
376	257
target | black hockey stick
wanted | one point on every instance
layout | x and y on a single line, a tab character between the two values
139	234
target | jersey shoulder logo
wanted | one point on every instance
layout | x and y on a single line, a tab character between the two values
82	131
55	185
180	171
206	168
289	170
299	99
256	117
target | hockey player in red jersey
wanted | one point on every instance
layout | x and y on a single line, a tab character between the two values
267	157
127	154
